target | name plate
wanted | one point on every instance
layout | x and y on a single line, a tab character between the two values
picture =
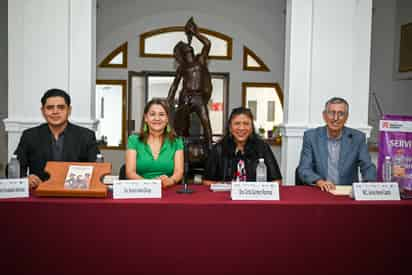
255	191
137	189
376	191
14	188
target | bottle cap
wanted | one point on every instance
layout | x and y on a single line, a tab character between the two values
261	160
388	157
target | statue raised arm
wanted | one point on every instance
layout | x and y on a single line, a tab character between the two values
197	85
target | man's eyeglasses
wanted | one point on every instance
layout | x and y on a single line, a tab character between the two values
333	114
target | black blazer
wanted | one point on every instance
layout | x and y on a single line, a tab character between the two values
222	162
35	148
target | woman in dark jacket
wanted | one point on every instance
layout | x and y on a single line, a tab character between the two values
236	156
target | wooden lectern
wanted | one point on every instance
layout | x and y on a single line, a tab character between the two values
54	186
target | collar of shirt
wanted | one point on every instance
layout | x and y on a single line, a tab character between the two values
338	138
60	135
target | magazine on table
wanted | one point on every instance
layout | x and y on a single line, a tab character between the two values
78	177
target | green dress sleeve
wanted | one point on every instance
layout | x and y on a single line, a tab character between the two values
132	142
179	143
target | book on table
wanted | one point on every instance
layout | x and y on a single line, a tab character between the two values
342	190
78	177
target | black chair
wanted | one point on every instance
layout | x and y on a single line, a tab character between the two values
122	172
298	180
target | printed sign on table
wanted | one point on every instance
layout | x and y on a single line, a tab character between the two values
14	188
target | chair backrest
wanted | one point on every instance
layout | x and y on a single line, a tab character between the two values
298	180
122	172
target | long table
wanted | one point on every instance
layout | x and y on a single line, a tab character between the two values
306	232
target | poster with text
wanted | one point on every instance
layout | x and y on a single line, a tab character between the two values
395	140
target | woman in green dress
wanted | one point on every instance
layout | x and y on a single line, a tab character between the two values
156	152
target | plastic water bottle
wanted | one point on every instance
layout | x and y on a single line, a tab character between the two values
13	168
261	171
387	169
398	165
99	158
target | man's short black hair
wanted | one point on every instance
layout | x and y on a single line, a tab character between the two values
55	92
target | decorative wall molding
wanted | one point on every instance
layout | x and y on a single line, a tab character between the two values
261	66
274	85
171	29
293	130
122	49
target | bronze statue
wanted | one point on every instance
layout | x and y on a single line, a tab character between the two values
197	84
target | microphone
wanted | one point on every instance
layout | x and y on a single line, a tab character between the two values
224	169
229	169
378	105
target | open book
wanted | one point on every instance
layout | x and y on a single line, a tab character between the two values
78	177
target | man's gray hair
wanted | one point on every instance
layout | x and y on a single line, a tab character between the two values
337	100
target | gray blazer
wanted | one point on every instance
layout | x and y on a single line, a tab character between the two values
353	155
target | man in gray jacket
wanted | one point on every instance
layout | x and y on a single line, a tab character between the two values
333	154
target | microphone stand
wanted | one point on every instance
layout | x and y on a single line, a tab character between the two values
378	111
185	189
378	105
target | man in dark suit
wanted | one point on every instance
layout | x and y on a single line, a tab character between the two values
56	140
333	154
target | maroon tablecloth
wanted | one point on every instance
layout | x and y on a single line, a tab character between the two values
306	232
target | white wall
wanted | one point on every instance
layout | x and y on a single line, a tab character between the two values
3	84
51	45
393	89
327	54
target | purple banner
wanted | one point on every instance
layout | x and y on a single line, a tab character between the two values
395	140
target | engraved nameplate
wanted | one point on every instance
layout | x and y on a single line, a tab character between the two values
137	189
255	191
376	191
14	188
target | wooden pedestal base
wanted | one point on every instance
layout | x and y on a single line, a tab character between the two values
54	187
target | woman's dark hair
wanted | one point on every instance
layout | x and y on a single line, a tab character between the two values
171	135
55	92
239	111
